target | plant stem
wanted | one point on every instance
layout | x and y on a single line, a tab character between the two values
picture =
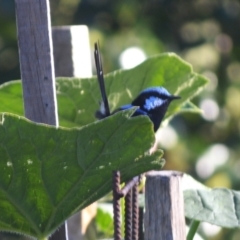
193	229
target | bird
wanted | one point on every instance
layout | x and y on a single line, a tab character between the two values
152	102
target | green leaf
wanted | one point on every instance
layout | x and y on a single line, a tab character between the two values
49	173
104	222
78	99
11	97
190	107
218	206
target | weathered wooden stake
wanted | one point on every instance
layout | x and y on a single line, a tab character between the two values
164	217
72	58
36	60
37	67
71	48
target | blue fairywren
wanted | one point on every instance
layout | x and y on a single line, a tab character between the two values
152	102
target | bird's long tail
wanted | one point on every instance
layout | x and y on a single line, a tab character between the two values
104	108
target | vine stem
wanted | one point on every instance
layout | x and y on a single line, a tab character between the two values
193	229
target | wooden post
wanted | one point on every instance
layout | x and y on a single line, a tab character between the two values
72	58
37	68
36	60
164	217
72	55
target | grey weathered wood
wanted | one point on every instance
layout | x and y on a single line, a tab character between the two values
72	56
60	234
37	67
74	227
62	52
36	60
164	216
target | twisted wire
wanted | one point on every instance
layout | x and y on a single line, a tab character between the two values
116	206
140	224
135	212
128	216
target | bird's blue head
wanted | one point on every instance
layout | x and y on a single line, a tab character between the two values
154	101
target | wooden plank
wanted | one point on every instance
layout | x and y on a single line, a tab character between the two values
164	217
60	234
36	60
71	48
37	67
72	58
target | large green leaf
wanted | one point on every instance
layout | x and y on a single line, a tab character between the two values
78	99
218	206
49	173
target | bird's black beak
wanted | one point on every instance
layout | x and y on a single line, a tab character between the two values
174	97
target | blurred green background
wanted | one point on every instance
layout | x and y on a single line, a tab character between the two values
206	33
